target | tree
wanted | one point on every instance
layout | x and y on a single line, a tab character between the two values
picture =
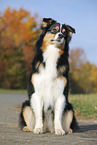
88	77
83	75
18	34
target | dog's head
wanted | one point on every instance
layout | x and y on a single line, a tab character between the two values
55	33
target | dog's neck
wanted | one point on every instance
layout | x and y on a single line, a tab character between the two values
51	55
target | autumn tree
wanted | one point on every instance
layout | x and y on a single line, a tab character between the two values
18	34
77	59
88	77
83	75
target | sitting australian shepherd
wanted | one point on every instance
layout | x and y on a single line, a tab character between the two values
48	108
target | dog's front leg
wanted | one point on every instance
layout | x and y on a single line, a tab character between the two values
59	107
36	104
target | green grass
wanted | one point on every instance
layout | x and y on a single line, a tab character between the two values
85	106
12	91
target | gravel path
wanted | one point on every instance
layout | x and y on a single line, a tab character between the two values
10	134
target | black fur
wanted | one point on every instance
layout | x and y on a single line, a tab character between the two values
74	125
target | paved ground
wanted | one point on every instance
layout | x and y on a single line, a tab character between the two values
10	134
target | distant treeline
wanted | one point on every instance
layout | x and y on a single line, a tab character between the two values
18	34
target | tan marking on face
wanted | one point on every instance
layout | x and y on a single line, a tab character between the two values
70	34
61	52
63	30
44	24
61	47
47	40
57	28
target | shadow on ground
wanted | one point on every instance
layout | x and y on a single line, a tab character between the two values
85	128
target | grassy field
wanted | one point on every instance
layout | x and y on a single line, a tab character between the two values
12	91
85	106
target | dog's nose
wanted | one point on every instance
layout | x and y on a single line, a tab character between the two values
60	35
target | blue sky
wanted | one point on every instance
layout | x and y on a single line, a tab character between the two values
80	14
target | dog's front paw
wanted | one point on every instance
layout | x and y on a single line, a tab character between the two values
60	132
38	131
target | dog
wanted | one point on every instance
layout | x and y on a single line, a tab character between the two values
48	107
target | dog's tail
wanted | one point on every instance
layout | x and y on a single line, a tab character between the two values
74	124
22	122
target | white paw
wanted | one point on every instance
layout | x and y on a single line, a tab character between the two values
60	132
38	131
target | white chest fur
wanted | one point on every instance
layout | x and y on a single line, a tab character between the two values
51	56
47	85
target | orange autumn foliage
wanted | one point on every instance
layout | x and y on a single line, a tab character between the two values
18	34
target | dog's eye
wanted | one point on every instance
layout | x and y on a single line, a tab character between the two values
54	30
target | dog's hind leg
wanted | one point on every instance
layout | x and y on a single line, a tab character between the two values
27	117
67	120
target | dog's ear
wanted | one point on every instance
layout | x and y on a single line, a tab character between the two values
71	30
47	22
